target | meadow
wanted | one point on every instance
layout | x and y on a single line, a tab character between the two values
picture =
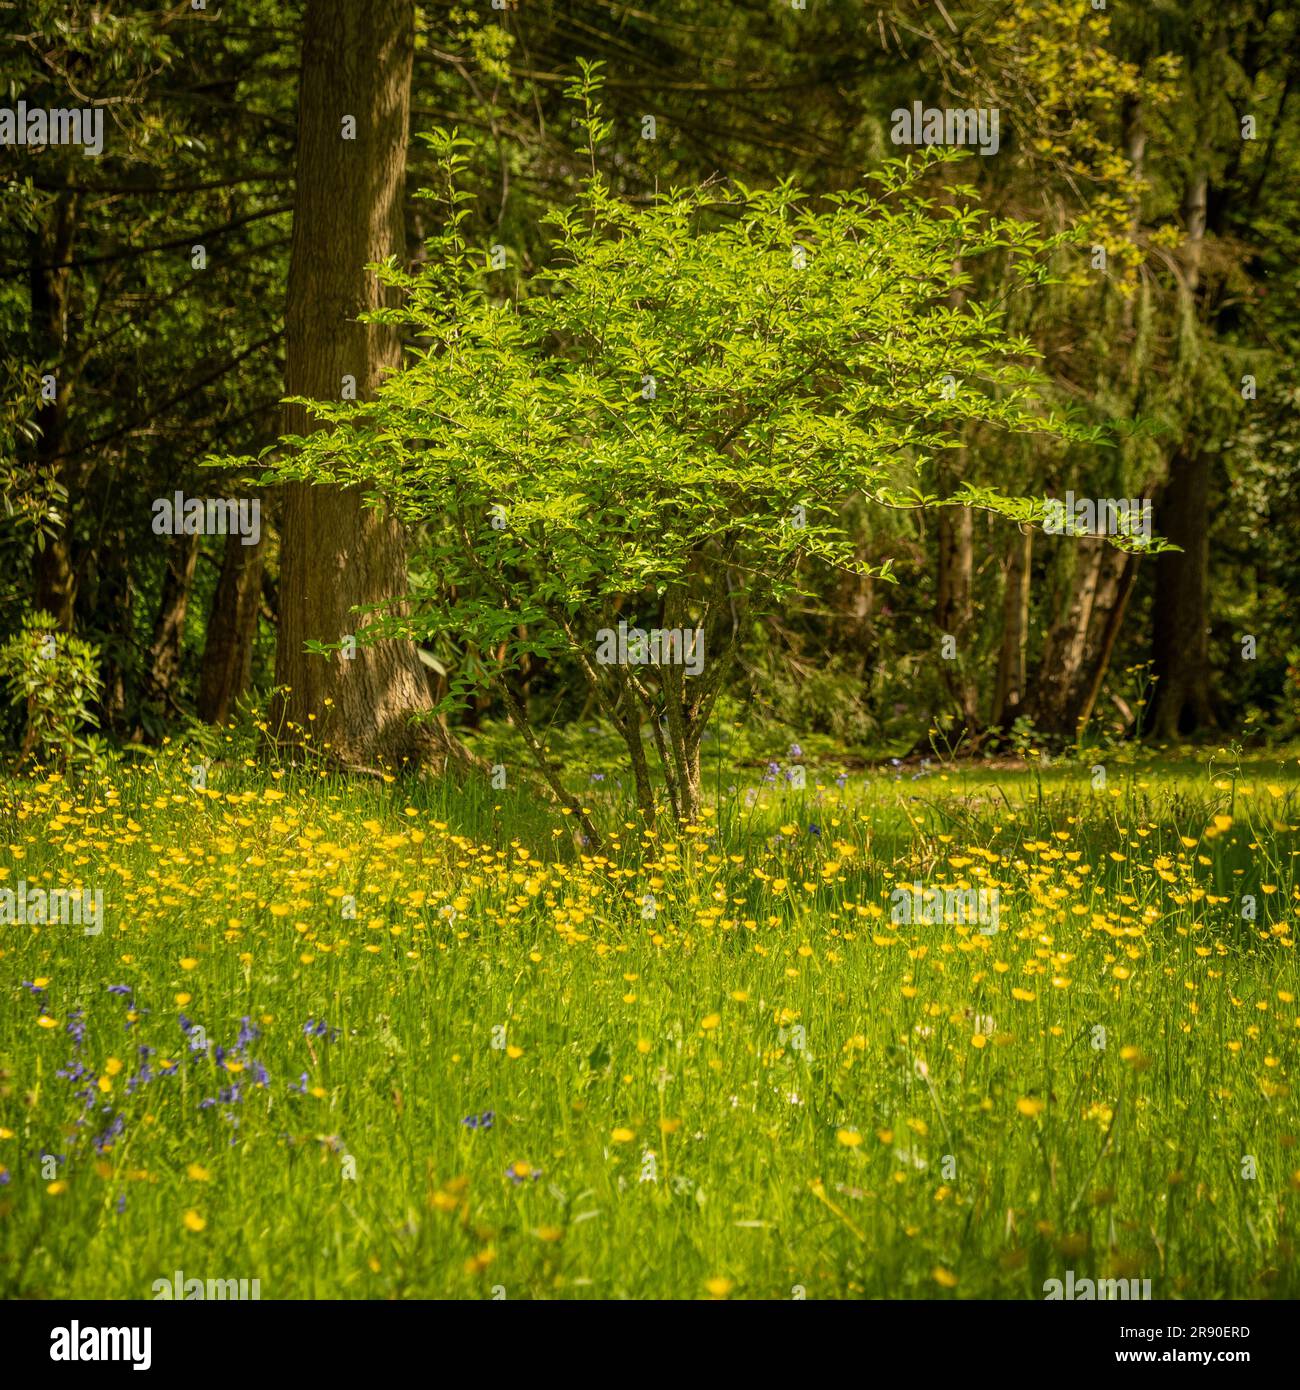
390	1038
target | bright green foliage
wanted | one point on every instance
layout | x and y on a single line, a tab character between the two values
55	678
667	429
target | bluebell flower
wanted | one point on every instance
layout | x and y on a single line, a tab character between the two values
796	751
105	1140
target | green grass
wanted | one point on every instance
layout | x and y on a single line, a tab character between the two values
880	1152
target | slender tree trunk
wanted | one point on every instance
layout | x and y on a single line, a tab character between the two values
232	629
106	604
1180	613
954	606
1009	695
51	289
334	551
169	626
1077	650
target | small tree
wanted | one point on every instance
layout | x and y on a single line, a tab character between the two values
665	430
54	678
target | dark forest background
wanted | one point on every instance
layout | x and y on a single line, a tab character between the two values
178	286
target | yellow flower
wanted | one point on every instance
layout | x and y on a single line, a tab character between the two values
112	1066
718	1286
194	1222
514	1052
623	1135
57	1187
710	1022
850	1138
1031	1106
945	1278
46	1021
198	1172
188	962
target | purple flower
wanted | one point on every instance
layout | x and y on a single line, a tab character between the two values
120	1205
796	751
105	1140
483	1121
119	989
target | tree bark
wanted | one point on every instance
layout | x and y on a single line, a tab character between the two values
954	607
1180	613
169	626
334	551
1009	695
232	630
51	289
1077	650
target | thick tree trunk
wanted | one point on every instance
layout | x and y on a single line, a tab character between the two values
334	551
232	630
